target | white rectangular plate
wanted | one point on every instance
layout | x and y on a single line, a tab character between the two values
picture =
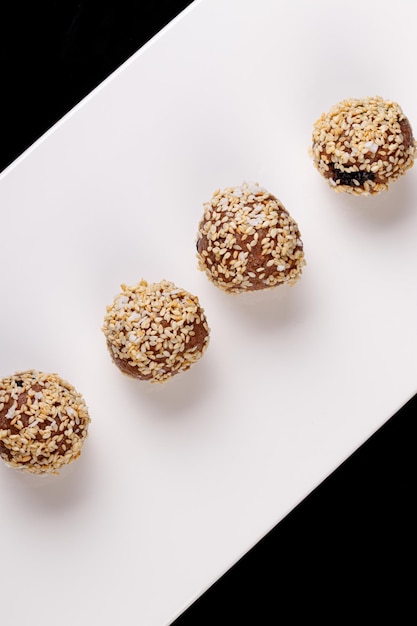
177	481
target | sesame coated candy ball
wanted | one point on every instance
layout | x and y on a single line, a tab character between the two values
362	145
43	422
155	330
248	241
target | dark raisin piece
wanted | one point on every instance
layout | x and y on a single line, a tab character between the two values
19	383
347	178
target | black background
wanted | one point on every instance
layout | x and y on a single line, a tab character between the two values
348	550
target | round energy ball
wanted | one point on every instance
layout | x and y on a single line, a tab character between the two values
43	422
248	241
155	330
361	146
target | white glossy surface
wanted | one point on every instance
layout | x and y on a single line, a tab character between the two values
176	482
